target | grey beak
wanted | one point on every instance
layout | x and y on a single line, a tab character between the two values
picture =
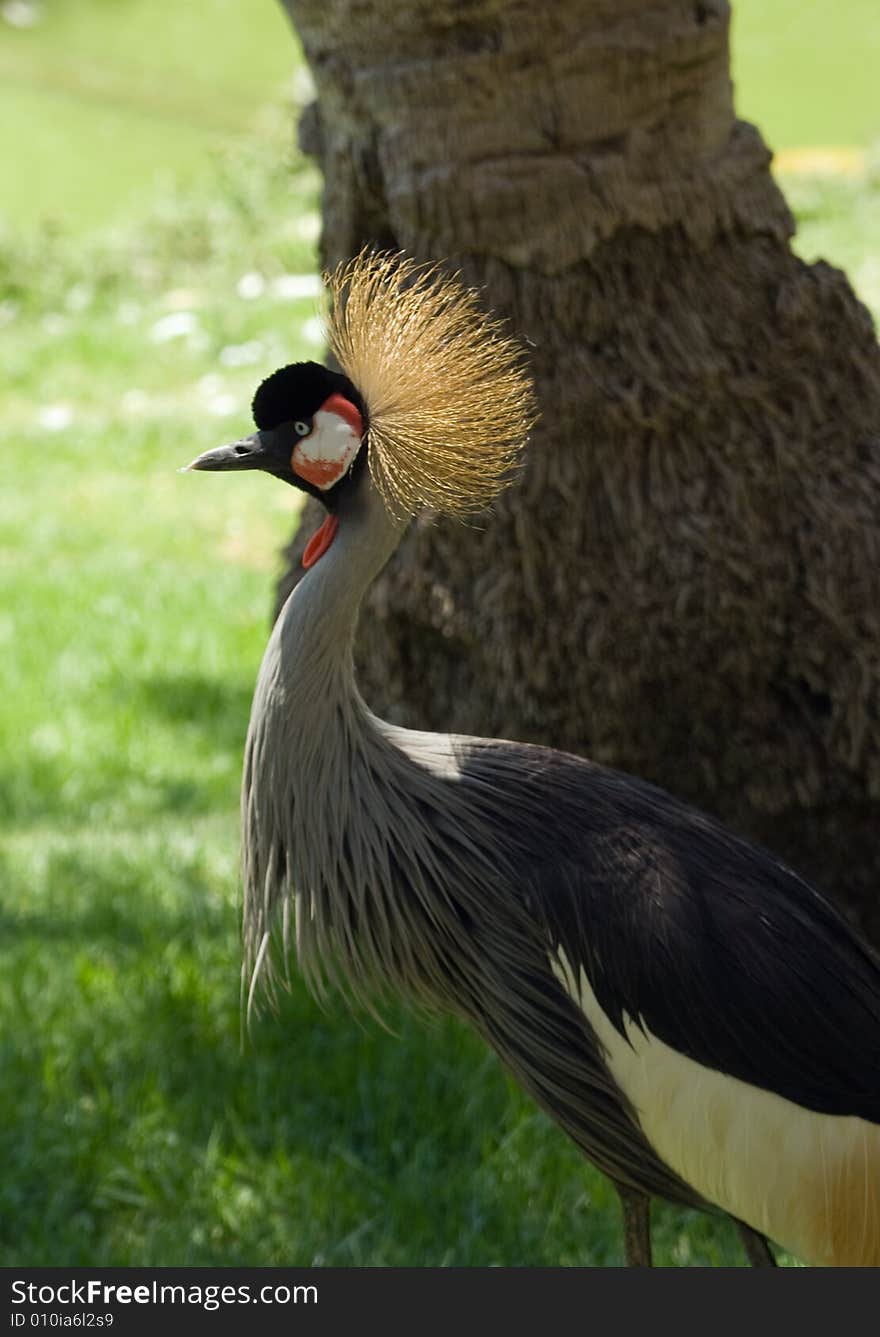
251	452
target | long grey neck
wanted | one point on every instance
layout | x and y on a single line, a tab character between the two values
309	730
309	660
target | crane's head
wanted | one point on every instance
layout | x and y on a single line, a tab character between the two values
311	424
432	394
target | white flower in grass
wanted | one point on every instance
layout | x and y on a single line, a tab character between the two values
241	355
307	227
180	299
55	417
223	406
54	323
211	385
79	297
302	85
218	401
177	325
292	287
21	13
135	402
251	286
313	330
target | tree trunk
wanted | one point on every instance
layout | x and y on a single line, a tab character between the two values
685	585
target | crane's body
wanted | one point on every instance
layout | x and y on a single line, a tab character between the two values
697	1018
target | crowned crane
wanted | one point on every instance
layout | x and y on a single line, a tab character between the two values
695	1016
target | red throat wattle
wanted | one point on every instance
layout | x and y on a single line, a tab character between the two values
320	541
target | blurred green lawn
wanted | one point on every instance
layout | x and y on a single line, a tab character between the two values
134	603
806	71
113	97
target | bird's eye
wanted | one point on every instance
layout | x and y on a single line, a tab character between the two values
302	428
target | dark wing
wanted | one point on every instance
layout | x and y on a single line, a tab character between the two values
709	942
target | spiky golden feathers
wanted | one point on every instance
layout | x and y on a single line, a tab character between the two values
450	402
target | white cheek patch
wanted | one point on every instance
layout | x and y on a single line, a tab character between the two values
327	453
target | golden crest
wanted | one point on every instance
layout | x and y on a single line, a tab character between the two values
449	400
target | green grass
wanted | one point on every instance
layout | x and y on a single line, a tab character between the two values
839	221
805	71
112	98
134	603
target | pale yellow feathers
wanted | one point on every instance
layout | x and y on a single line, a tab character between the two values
450	404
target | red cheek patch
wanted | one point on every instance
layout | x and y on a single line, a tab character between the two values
320	473
344	409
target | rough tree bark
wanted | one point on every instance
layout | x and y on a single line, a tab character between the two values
686	583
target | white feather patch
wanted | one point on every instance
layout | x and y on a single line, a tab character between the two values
325	455
810	1181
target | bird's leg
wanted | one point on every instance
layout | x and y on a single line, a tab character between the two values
636	1226
757	1249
